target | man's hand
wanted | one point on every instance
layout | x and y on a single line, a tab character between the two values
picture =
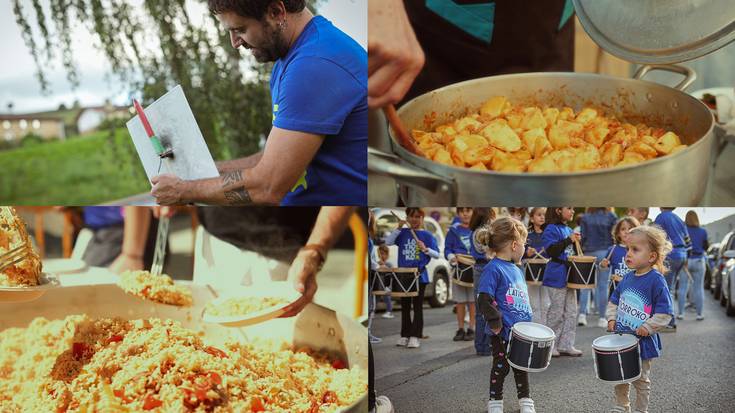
303	275
395	57
168	189
125	262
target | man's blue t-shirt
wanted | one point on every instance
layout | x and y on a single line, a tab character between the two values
617	260
505	282
676	230
555	274
698	236
458	241
638	298
320	87
409	254
96	217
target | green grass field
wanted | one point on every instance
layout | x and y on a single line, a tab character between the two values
92	169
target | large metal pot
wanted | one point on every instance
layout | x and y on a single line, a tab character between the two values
679	179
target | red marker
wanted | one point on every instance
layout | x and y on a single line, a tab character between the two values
160	150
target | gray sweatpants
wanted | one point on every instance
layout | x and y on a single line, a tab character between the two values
562	316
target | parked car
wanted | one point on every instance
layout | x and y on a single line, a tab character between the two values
711	256
728	282
438	292
728	243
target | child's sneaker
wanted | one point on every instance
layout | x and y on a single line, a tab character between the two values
582	320
388	314
495	406
680	316
375	340
413	342
526	405
383	405
619	409
700	317
602	323
402	342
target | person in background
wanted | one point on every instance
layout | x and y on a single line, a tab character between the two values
383	263
696	264
641	214
372	268
615	258
519	213
122	237
458	241
677	233
561	317
597	226
481	219
535	245
416	247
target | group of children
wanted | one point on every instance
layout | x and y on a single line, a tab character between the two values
639	302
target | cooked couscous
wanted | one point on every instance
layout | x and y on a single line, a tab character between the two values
243	305
156	288
12	235
80	364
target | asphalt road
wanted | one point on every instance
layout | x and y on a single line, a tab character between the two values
695	374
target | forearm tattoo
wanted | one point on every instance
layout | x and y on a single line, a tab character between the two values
238	195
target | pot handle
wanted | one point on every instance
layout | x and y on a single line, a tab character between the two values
689	75
389	165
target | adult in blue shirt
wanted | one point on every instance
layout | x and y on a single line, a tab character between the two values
458	241
596	226
695	265
416	247
315	151
677	233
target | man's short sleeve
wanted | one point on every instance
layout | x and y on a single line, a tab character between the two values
315	96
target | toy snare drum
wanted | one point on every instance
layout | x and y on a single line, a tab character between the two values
397	282
534	269
617	358
464	270
530	346
581	272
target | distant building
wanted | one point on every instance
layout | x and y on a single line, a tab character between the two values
15	127
60	123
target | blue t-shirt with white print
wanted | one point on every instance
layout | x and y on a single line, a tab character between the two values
409	254
555	274
617	260
505	282
320	87
458	241
676	230
638	298
535	240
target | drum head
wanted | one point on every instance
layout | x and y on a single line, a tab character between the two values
537	261
465	259
533	331
614	342
582	258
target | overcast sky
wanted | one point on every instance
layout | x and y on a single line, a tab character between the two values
706	215
19	85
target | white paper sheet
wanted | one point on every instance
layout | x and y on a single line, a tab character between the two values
173	122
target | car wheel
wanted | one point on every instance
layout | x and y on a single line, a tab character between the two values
707	279
441	291
717	290
730	302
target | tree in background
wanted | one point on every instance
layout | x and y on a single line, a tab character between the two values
151	49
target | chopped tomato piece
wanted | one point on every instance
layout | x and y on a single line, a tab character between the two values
257	405
115	338
121	394
145	291
215	352
80	350
329	397
339	364
151	402
215	378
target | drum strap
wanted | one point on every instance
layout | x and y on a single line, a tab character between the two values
620	364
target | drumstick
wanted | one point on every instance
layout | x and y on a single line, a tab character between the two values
403	138
538	254
415	237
